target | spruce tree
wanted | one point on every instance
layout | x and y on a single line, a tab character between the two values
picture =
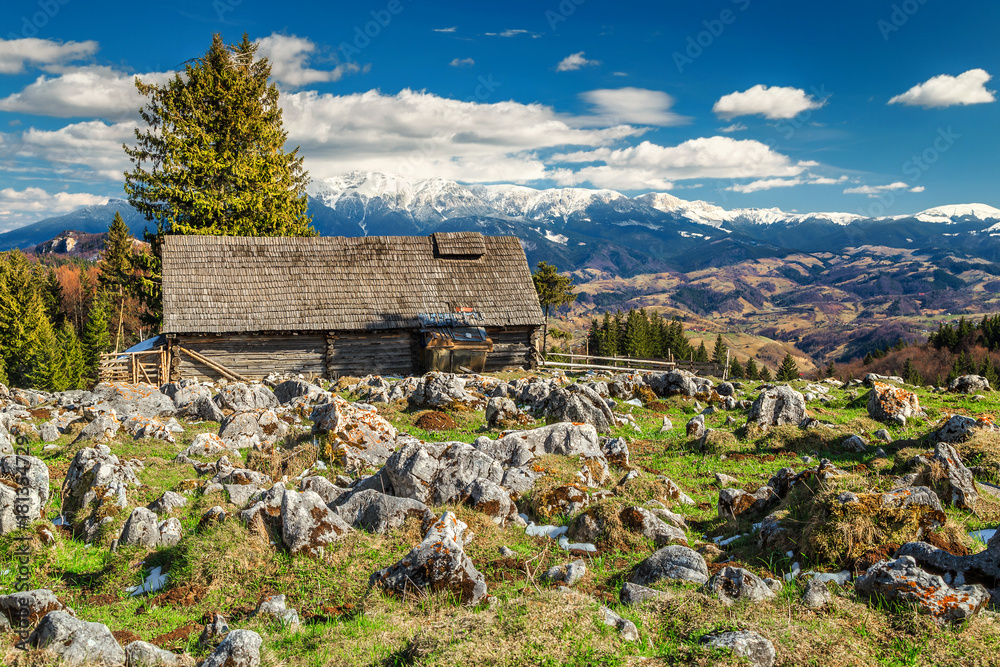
751	372
701	354
719	352
831	369
788	370
765	373
117	267
96	337
23	317
71	365
736	369
553	290
43	371
212	158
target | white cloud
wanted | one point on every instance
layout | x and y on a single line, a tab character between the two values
774	103
917	188
771	183
84	92
15	54
462	62
619	73
649	165
634	105
512	33
21	207
735	127
92	148
289	57
875	190
418	133
451	29
575	61
945	91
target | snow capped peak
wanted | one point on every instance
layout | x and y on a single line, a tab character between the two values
950	212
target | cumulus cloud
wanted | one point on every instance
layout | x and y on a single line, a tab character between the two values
289	57
462	62
650	165
418	133
774	103
772	183
20	207
84	92
575	61
875	190
634	105
946	91
92	148
15	54
917	188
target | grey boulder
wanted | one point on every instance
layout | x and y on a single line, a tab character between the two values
758	650
240	648
674	562
76	642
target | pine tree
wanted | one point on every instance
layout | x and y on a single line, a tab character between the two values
117	268
701	354
868	359
751	372
71	366
212	159
788	370
96	337
719	352
736	369
765	373
553	290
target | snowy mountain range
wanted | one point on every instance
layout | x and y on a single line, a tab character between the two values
604	229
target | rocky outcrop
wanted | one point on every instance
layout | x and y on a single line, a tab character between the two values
969	384
901	579
579	404
674	562
776	406
890	404
24	491
758	650
948	476
240	648
96	475
735	584
379	513
240	397
252	428
77	642
358	438
144	529
959	428
437	563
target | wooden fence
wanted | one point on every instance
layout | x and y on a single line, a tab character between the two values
585	362
150	366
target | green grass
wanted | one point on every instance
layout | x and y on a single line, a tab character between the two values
227	570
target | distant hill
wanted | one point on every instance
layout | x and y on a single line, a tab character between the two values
86	220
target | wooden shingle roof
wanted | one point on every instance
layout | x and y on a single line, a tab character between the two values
230	284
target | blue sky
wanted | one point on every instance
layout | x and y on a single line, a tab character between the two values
865	107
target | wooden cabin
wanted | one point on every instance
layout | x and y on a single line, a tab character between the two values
244	307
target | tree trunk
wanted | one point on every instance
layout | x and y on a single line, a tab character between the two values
121	313
545	331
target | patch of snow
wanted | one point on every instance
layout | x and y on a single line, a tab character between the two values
984	535
566	545
556	238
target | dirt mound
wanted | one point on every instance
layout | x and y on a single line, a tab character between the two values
435	421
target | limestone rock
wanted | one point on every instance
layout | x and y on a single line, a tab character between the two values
959	428
26	608
240	397
649	525
307	524
672	562
776	406
501	412
439	562
134	399
24	491
744	644
969	384
625	627
902	579
240	648
97	474
76	642
379	513
491	499
358	438
816	594
579	404
634	594
144	654
275	606
887	403
252	428
733	584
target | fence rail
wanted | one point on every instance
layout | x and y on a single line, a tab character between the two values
630	364
147	366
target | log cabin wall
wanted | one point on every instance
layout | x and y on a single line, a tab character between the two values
511	347
252	355
372	352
